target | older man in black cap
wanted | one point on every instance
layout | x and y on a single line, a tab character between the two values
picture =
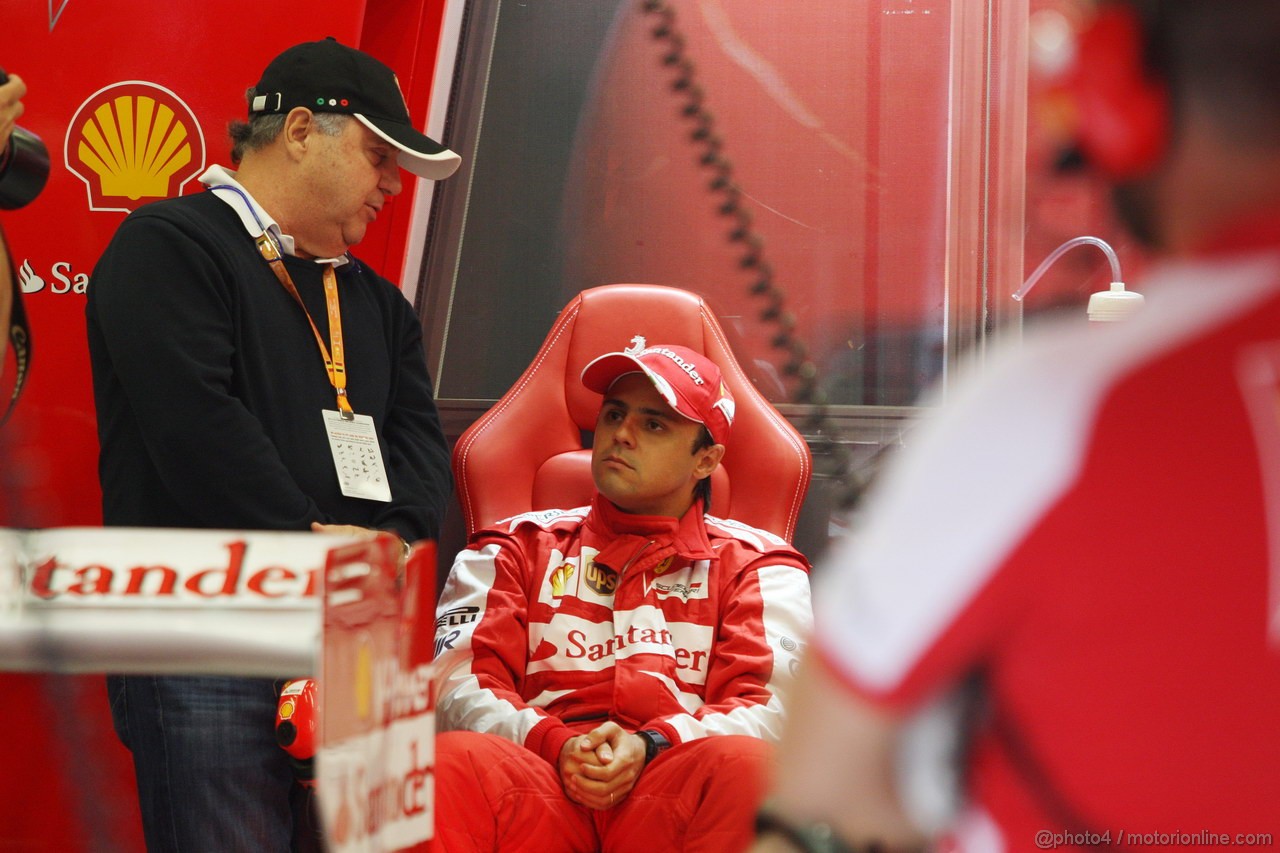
230	335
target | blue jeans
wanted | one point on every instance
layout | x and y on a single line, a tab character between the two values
210	774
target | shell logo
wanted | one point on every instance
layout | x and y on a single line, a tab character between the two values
133	142
559	578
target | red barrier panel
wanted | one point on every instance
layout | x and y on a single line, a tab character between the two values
93	70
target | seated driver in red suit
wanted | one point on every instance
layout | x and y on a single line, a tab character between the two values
610	676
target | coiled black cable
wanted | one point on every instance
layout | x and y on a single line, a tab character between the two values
849	482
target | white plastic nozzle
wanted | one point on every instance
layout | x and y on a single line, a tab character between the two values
1109	306
1106	305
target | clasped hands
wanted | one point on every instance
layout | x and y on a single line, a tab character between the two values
599	769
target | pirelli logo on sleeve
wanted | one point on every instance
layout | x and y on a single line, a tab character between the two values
451	624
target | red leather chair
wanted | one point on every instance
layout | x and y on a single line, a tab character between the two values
526	453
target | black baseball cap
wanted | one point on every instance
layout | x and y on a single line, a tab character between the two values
326	76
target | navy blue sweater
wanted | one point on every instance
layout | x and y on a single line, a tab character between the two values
209	385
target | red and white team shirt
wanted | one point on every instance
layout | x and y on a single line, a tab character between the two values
1094	528
555	621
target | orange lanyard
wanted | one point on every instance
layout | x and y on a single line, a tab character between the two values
335	364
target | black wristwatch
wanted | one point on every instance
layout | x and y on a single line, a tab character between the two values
655	743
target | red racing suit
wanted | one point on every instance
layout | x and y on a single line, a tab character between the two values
553	622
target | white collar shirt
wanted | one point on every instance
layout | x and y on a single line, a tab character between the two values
256	220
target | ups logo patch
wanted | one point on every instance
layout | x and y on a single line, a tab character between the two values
602	579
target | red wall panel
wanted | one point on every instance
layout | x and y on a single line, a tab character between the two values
65	782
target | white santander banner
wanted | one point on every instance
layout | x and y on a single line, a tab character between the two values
351	612
161	601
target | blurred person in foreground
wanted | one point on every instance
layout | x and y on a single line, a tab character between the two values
234	341
24	168
11	109
1090	531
